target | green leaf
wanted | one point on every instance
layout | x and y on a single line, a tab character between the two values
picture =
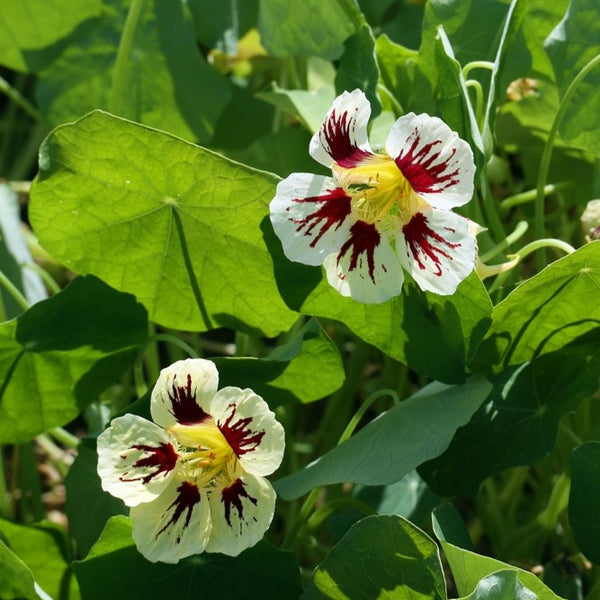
115	569
380	557
454	324
501	585
527	401
170	86
309	106
469	568
88	507
583	500
545	312
573	43
16	580
389	447
308	28
162	193
358	67
43	548
61	353
28	29
307	368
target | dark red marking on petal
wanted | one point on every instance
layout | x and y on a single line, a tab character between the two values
420	239
232	497
335	137
161	459
183	403
418	168
364	238
332	212
188	496
239	436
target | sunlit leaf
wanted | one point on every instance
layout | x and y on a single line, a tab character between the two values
392	445
545	312
169	85
28	29
118	200
43	548
501	585
469	568
380	553
527	401
61	353
583	500
308	28
307	368
115	569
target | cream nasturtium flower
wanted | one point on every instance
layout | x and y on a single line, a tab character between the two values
380	212
195	478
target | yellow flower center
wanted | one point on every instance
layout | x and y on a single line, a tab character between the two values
377	188
205	457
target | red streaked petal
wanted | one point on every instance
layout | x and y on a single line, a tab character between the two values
366	267
439	250
177	524
435	161
343	136
250	428
182	391
136	459
311	216
241	513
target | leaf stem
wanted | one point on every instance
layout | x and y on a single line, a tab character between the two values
21	101
12	289
511	238
47	278
477	64
547	153
120	73
530	195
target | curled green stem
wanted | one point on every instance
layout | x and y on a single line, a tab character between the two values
12	289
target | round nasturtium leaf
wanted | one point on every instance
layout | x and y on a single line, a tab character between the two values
175	224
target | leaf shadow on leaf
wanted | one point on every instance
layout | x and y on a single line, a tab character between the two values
294	281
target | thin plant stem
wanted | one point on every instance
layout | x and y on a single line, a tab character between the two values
120	74
47	278
476	86
547	154
545	243
477	64
12	289
571	434
490	209
21	101
530	195
511	238
5	510
68	440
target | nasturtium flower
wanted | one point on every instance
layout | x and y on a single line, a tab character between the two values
380	212
195	478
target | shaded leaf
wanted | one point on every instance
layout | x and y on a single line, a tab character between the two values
501	585
114	568
526	404
391	446
307	368
169	85
43	548
381	556
583	500
16	580
161	191
61	353
308	28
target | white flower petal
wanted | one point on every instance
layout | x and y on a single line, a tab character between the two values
311	216
182	392
241	514
438	249
136	459
250	428
343	136
436	162
366	268
177	524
